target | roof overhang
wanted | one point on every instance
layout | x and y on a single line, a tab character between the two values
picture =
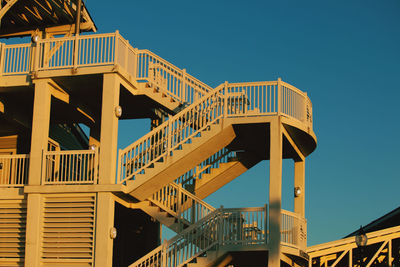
56	17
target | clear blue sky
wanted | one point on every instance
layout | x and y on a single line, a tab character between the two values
344	54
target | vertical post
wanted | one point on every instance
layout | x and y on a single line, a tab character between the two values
126	55
78	17
104	223
2	58
169	135
390	257
226	99
96	166
40	129
275	193
299	182
179	207
350	259
33	232
109	129
183	86
116	47
135	63
266	222
279	104
76	51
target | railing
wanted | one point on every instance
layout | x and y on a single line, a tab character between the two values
181	204
100	50
177	82
15	59
14	170
70	167
228	100
294	230
242	227
188	179
168	136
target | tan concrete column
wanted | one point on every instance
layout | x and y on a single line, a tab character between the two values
33	230
104	223
109	129
40	129
299	181
275	193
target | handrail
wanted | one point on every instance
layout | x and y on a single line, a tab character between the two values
14	170
70	167
181	204
227	100
214	161
232	227
243	226
166	137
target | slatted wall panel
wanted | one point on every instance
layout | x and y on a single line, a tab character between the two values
12	232
68	230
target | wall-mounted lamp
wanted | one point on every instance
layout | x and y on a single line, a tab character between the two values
113	232
35	38
297	191
92	147
118	111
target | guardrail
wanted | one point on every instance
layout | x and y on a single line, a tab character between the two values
188	179
293	230
101	50
242	227
227	100
14	170
181	204
70	167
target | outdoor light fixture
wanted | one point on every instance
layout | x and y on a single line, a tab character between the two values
92	147
361	238
118	111
35	38
297	191
113	232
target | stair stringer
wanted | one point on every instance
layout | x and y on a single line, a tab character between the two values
223	175
218	136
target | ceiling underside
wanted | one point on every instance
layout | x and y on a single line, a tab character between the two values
24	17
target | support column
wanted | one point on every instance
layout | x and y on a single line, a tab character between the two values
40	129
299	181
275	193
33	230
109	129
104	222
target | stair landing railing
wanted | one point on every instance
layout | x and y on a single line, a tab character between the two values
181	204
242	228
227	100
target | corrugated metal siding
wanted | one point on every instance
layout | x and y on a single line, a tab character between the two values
12	232
68	230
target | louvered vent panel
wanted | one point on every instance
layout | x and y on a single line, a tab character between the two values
12	232
68	230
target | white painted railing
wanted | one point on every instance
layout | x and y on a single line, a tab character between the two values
101	50
293	230
181	204
227	100
15	59
14	170
188	179
241	228
177	81
70	167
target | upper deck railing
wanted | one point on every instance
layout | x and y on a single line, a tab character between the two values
83	51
